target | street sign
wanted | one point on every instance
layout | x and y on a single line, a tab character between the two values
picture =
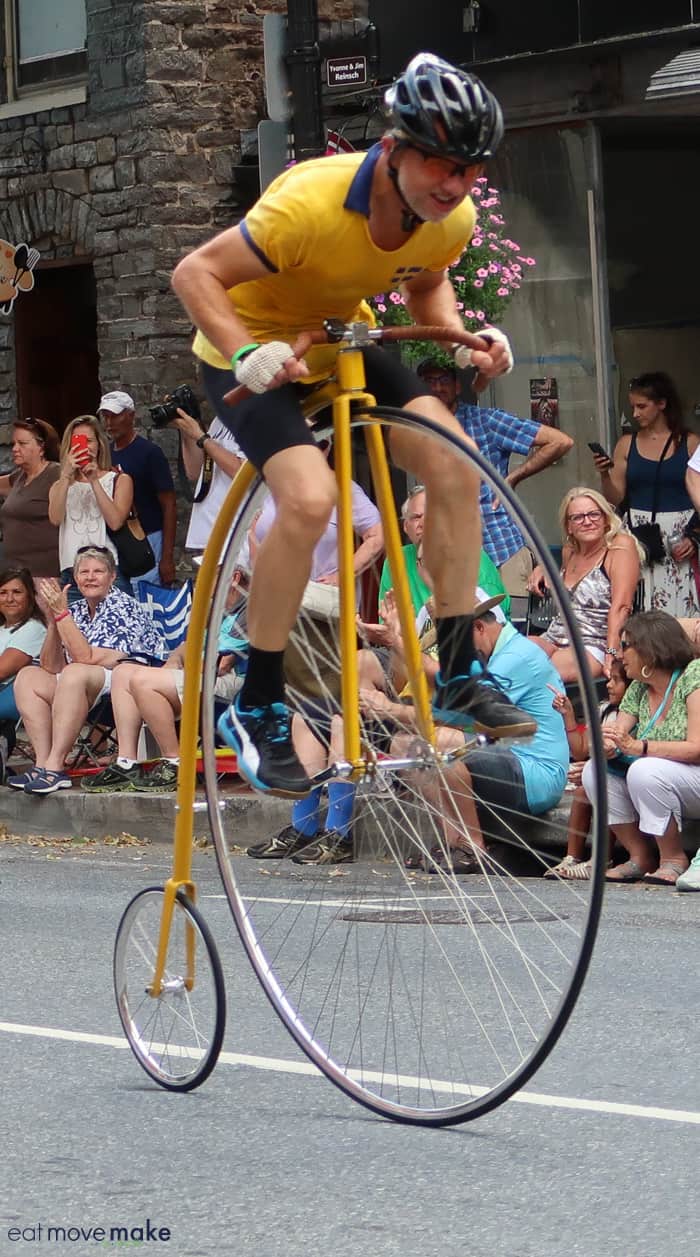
277	91
346	71
273	150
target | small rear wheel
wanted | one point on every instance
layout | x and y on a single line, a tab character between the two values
175	1036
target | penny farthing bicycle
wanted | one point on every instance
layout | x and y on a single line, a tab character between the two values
428	997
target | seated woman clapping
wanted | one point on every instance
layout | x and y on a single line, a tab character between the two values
82	647
653	750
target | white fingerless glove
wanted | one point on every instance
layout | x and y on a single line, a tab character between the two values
258	368
463	354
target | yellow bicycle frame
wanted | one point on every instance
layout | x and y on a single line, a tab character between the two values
346	395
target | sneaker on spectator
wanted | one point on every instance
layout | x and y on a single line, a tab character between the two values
262	740
279	846
20	780
158	778
690	880
468	702
329	847
46	781
113	779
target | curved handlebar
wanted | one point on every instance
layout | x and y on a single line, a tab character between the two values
411	332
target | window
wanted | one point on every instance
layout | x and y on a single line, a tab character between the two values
50	42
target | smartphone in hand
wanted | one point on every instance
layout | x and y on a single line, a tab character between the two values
79	447
599	452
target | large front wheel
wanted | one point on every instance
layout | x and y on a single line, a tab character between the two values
427	994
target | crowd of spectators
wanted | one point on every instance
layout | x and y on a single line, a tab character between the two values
71	633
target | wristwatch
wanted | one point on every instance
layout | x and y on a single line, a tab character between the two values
200	440
609	650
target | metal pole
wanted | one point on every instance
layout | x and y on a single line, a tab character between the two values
304	62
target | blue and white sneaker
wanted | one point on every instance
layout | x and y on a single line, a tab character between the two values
46	781
262	740
471	703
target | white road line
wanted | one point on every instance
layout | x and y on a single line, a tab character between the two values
283	1066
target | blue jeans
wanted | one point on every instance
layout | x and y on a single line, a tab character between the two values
156	540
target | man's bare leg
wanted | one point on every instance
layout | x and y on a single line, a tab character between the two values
304	491
451	553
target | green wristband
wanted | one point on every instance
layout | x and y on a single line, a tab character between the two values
242	352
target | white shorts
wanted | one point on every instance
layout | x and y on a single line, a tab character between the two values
226	686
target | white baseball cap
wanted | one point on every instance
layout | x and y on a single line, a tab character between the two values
116	402
484	604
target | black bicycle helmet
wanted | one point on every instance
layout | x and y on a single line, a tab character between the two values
445	110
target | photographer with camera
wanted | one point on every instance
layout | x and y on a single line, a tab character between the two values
210	459
154	491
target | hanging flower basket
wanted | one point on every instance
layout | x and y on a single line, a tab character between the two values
484	278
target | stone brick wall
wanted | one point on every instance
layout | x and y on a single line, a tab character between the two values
142	172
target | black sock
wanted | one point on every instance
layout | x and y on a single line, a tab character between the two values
264	678
455	643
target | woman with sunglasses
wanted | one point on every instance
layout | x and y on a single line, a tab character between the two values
600	569
83	645
30	538
653	751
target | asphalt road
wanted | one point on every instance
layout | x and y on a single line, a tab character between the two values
263	1161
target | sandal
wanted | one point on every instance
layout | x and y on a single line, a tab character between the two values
570	868
655	879
630	871
421	861
459	862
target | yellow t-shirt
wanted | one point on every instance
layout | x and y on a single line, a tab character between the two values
311	229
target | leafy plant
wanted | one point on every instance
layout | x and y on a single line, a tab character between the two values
485	277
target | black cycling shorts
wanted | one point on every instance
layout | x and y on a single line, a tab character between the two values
266	423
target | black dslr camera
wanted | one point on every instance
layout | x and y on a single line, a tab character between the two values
181	398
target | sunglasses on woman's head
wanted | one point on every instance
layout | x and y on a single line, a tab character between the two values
93	550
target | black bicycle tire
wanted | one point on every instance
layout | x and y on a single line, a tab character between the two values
514	1082
209	1061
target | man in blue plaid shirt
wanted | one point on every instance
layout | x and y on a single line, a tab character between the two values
497	435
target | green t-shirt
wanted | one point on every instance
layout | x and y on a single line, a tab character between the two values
489	580
673	727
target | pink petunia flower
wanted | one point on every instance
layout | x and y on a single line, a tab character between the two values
494	268
478	283
396	298
501	292
469	314
477	242
482	272
381	308
480	315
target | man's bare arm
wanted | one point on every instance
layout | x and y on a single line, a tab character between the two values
548	447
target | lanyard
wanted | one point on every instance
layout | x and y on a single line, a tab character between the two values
650	724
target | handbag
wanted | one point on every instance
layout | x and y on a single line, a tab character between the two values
649	534
134	550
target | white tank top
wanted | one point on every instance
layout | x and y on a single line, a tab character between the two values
83	521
